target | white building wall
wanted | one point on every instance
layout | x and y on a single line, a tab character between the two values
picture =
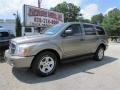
8	24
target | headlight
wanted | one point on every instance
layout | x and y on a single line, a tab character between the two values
22	51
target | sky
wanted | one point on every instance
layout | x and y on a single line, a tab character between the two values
88	7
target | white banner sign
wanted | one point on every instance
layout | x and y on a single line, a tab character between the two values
39	17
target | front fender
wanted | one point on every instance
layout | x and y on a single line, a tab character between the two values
38	47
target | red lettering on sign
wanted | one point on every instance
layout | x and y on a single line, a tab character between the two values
52	15
37	12
43	13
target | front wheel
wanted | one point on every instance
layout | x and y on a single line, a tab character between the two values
99	54
45	64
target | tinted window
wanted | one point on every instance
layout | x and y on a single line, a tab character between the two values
89	29
100	30
28	30
75	28
4	34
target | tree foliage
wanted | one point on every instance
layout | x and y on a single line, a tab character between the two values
111	22
69	10
18	26
81	19
97	18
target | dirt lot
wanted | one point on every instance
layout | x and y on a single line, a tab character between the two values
80	75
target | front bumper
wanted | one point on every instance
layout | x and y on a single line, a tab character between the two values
17	61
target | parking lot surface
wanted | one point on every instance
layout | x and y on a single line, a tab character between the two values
80	75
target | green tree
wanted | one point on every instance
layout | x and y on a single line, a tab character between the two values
18	26
81	19
97	18
69	10
111	22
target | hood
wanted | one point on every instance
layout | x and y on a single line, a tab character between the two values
31	39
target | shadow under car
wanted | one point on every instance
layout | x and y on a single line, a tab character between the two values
64	70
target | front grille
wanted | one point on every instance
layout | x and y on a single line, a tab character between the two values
4	43
12	48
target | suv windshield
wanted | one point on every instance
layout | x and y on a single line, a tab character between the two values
4	34
54	29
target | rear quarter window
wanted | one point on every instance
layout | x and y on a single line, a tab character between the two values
100	30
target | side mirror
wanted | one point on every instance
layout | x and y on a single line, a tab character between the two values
67	33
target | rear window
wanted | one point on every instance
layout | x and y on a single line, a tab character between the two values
100	30
4	34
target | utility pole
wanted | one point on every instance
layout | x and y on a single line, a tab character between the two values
39	3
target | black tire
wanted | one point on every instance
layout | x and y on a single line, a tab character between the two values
36	68
96	55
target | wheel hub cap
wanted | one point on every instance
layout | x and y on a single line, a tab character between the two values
46	64
101	53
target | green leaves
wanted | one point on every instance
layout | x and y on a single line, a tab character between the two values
111	22
18	26
97	18
70	11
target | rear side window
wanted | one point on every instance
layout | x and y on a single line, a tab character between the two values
89	29
4	34
28	30
100	30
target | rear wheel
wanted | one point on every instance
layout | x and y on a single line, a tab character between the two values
45	64
99	54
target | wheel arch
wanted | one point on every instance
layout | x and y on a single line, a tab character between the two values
102	45
46	50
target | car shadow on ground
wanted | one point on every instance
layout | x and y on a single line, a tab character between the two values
2	52
64	70
2	59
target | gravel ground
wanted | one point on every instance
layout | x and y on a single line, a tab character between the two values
80	75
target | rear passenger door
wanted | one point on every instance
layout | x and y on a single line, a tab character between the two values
90	38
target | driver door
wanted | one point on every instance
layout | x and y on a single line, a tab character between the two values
72	44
